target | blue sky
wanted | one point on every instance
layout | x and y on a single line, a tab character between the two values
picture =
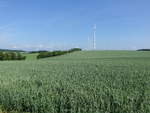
64	24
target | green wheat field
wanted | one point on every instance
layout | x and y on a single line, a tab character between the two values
80	82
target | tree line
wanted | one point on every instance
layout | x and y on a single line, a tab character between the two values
56	53
11	56
40	51
10	50
143	50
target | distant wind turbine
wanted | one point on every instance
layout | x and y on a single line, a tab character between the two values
94	37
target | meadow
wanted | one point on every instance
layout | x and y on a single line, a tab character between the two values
80	82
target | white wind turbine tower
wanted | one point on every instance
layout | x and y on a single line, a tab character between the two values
94	37
89	44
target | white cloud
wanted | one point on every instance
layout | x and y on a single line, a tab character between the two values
14	47
34	47
7	41
6	33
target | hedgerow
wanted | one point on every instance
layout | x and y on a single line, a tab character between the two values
11	56
56	53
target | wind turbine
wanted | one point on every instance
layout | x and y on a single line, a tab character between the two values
94	37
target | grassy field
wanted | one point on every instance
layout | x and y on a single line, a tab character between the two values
30	56
80	82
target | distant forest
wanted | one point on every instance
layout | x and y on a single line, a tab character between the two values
9	50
